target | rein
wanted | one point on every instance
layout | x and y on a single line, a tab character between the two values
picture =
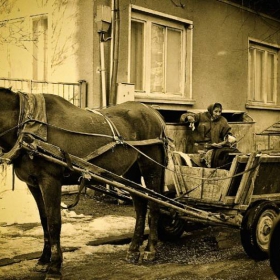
116	137
118	140
13	128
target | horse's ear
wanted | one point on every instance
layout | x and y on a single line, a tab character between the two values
10	88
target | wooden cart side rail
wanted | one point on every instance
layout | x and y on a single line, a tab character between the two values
245	179
178	179
247	194
191	182
240	159
273	197
229	180
104	176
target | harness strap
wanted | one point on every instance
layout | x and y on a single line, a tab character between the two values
111	145
67	160
21	112
77	198
13	153
110	123
100	151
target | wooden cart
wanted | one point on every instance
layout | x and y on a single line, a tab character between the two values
247	196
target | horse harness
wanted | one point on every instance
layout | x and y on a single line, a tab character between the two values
32	132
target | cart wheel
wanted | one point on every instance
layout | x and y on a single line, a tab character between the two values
170	228
274	248
256	229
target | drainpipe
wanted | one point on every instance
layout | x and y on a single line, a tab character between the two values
103	20
102	71
115	56
112	41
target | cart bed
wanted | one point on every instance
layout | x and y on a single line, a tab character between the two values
250	177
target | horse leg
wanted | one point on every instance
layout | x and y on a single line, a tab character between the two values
51	193
44	260
153	175
150	250
140	207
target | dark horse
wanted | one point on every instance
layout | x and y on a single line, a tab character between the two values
80	133
274	248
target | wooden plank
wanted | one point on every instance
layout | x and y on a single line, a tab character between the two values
247	196
214	189
227	182
273	196
178	180
204	184
177	176
245	178
270	158
243	159
192	180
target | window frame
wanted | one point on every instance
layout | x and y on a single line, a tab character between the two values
45	62
266	48
149	17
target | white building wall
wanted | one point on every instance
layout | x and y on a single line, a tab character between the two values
17	40
7	180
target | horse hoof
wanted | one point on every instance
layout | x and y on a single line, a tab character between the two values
149	256
132	257
41	267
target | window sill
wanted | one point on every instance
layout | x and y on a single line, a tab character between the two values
262	106
161	101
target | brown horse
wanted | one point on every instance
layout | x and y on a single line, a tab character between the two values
82	133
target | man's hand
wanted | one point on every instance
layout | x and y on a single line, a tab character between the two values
191	119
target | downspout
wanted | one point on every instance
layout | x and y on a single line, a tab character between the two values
115	56
102	70
112	40
103	21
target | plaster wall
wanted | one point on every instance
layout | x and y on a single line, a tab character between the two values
220	51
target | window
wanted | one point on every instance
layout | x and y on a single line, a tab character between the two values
160	57
40	48
137	52
263	63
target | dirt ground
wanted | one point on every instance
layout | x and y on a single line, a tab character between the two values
96	205
209	253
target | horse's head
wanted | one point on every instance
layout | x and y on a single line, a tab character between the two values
9	114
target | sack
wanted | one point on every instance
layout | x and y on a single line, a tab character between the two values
221	157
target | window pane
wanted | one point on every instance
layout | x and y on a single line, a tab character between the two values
270	77
137	54
35	49
259	75
157	58
40	48
173	65
45	48
252	73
